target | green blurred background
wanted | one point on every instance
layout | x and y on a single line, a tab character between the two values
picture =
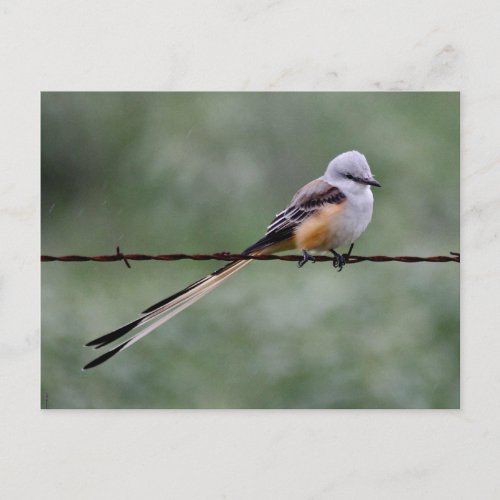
206	172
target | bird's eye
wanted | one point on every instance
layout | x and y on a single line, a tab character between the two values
349	176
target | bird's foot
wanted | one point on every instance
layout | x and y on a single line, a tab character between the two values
340	261
306	257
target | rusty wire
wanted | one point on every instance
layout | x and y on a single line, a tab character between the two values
227	256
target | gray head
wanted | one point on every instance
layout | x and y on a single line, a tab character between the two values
350	171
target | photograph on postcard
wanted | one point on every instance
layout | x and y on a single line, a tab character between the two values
291	250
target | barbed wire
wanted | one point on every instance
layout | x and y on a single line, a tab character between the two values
228	257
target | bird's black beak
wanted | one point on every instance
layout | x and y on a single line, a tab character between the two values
372	182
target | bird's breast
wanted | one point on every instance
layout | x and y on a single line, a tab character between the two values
336	225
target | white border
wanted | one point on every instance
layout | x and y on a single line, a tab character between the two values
241	45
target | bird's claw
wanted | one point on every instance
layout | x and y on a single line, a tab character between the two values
339	260
306	257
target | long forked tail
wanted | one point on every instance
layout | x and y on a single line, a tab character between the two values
162	311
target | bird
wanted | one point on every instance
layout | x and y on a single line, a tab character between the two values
329	212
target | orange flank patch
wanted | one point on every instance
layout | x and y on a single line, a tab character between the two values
317	232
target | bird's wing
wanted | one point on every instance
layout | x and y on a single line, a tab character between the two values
306	201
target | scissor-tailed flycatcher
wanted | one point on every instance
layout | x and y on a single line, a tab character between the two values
327	213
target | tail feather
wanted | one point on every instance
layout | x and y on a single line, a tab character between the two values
151	312
180	293
132	340
163	311
114	335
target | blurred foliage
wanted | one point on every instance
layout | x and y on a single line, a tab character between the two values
206	172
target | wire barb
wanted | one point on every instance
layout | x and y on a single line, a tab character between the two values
229	257
123	257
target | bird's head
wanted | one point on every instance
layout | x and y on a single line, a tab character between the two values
351	171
